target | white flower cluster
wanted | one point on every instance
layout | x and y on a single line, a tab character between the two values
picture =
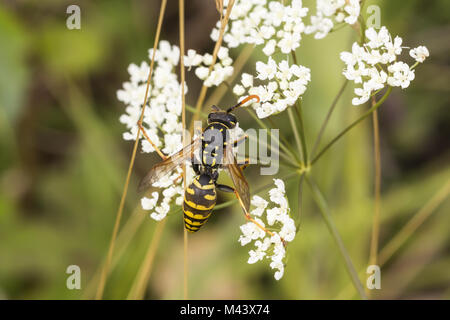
375	64
286	83
264	22
161	120
173	191
163	108
277	218
221	70
331	12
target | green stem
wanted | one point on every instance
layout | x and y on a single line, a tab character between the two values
300	194
295	129
192	110
325	211
365	115
263	125
230	202
282	137
328	116
298	109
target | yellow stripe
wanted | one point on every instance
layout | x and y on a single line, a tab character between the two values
192	227
196	216
198	206
222	124
191	230
190	190
194	223
210	197
205	187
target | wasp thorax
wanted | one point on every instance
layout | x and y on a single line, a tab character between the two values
227	119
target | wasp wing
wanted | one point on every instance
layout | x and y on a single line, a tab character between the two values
168	165
239	181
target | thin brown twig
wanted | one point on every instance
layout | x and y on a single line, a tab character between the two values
101	286
377	162
416	221
202	95
123	240
218	93
376	214
183	117
403	235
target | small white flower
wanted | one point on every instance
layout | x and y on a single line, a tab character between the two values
269	48
207	59
260	205
377	39
192	59
150	203
266	70
420	53
289	42
202	72
238	90
363	93
247	80
401	75
160	212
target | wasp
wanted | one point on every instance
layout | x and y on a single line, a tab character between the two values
208	153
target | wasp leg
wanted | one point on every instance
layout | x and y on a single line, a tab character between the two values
239	140
151	142
224	188
249	217
244	164
195	166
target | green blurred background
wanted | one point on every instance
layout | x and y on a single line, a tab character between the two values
63	162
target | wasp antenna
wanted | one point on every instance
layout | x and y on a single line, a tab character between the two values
215	108
253	96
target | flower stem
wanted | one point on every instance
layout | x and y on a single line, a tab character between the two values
343	132
282	137
413	224
298	109
376	216
293	156
328	116
324	210
183	102
295	129
223	24
230	202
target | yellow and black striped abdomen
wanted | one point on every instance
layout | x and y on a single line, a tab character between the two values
199	200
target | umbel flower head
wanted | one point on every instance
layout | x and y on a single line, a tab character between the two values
374	65
161	120
221	70
330	13
273	215
286	83
261	22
